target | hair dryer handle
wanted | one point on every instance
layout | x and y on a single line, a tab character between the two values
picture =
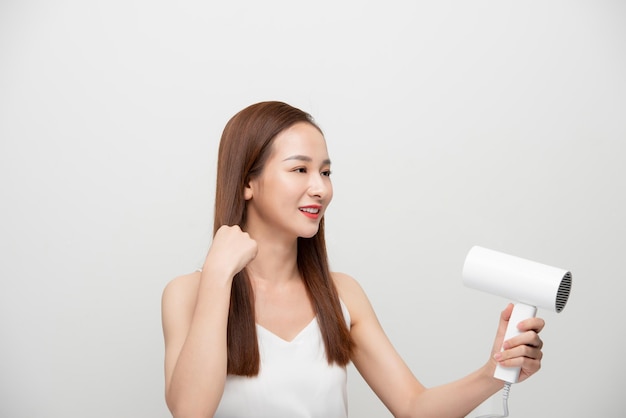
521	311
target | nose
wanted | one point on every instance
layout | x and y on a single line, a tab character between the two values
320	186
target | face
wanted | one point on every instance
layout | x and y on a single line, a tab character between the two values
292	192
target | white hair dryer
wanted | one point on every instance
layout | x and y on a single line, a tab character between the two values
529	283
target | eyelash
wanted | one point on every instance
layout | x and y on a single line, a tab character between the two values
325	173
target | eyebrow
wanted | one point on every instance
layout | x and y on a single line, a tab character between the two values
306	159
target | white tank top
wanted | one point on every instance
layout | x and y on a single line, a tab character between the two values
295	380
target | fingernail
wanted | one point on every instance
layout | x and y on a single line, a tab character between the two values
497	357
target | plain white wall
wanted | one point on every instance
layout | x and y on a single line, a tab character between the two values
449	124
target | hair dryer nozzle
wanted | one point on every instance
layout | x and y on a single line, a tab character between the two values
517	279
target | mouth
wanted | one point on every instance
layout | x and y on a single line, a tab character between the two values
311	211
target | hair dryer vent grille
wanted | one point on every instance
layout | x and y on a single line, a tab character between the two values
563	292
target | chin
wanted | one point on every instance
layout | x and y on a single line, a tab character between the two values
309	234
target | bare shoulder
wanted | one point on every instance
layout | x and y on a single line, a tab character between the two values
180	293
182	284
352	294
345	284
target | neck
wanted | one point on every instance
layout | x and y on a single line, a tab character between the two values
276	262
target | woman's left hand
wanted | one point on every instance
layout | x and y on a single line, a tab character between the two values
523	350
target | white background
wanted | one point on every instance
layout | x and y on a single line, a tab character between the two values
449	124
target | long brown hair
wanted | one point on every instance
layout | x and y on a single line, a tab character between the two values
244	148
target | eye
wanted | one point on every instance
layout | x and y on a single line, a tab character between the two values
326	173
300	170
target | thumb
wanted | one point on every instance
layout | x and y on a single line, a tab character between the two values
505	315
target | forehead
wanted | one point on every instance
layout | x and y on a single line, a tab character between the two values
300	139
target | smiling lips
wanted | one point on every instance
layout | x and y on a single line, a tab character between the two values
311	211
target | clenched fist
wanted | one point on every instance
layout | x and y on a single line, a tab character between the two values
232	249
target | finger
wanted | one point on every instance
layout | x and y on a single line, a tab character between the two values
534	324
505	315
528	338
527	365
520	352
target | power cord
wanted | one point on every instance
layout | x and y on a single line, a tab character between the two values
505	403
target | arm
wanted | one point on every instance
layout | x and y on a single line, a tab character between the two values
392	381
195	316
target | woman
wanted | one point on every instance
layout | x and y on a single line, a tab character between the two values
265	329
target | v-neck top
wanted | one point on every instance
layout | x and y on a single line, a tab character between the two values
294	381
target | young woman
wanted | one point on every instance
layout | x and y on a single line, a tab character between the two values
265	329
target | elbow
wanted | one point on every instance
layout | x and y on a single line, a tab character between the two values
189	412
185	399
407	408
419	404
180	408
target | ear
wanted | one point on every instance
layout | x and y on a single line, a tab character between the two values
247	191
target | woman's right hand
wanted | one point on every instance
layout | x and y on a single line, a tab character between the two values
195	319
232	249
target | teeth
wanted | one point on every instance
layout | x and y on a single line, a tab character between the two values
310	210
